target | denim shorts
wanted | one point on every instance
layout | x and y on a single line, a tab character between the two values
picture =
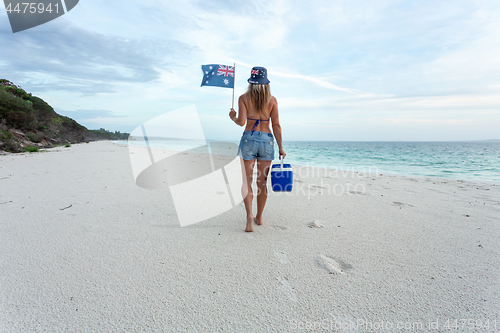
260	145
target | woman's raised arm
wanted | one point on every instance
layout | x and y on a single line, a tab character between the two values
242	116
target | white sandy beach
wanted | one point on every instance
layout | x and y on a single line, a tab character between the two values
84	249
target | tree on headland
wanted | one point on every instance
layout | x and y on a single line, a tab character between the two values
103	133
27	120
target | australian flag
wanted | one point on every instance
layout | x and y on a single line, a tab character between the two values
218	76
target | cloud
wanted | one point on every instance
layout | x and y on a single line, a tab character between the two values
223	29
76	59
398	48
317	81
449	105
89	114
461	122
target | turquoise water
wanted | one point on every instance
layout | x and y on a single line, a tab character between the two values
459	160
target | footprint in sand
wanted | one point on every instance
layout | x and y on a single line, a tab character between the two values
285	285
333	265
316	186
279	227
287	289
316	224
401	204
281	256
363	192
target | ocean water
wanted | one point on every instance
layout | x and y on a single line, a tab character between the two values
458	160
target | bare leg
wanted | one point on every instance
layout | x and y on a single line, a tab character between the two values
246	190
262	172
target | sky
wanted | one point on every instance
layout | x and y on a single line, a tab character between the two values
340	70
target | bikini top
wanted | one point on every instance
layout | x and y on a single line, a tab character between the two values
256	123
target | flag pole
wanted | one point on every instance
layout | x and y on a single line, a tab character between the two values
234	79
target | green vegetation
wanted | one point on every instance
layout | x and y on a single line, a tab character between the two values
7	141
117	135
26	119
67	145
31	149
34	137
57	120
5	135
17	112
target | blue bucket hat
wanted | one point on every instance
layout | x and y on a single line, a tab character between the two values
258	76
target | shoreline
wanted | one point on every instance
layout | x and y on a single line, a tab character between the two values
326	172
362	169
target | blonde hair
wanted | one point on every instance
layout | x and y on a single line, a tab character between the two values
259	96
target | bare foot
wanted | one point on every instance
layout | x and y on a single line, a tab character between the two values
249	227
258	221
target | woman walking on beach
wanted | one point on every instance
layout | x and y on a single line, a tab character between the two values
257	106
